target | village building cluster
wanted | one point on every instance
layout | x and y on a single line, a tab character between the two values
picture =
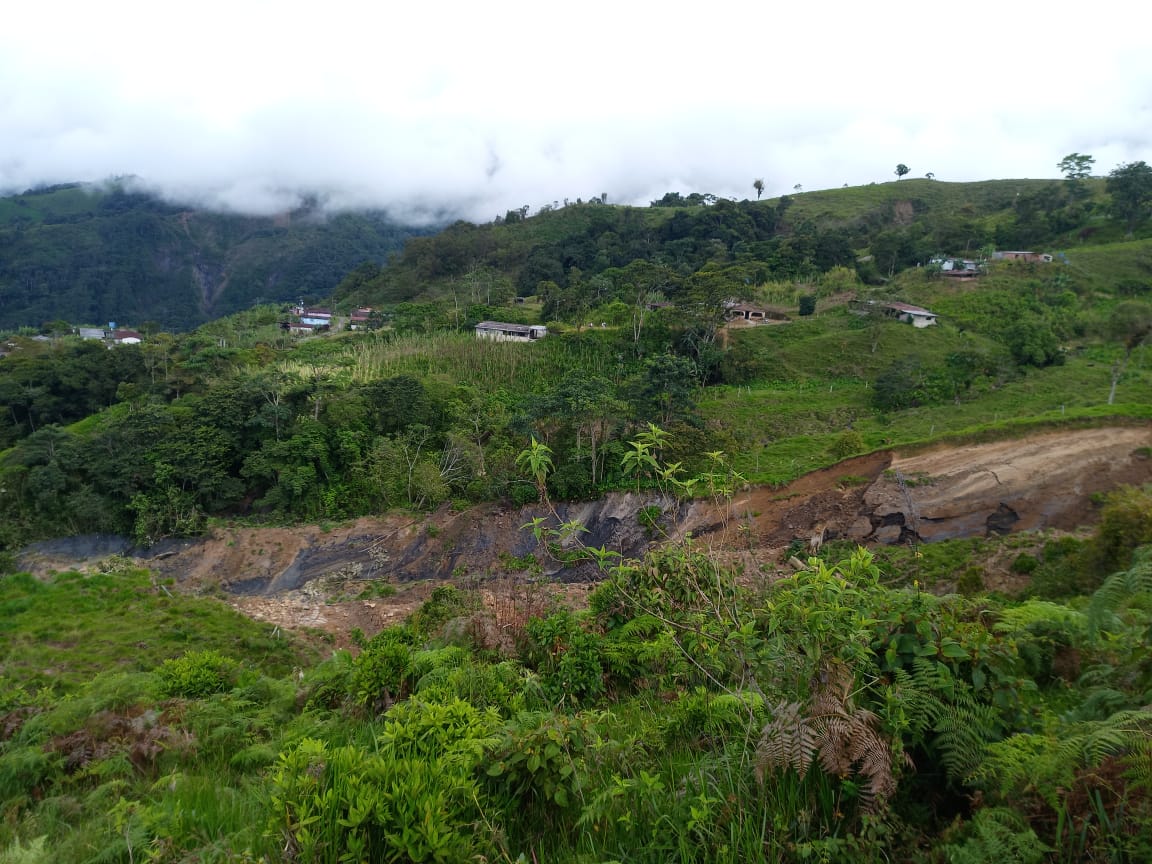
307	320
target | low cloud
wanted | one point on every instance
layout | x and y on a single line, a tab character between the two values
468	112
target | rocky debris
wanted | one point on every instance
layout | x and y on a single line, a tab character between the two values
1043	481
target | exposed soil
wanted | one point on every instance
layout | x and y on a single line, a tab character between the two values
375	571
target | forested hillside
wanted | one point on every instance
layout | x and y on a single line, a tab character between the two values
585	253
90	255
701	703
241	418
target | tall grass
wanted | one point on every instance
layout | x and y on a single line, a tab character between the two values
485	365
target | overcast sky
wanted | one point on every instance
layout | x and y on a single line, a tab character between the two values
475	108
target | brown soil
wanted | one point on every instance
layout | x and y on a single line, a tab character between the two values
309	577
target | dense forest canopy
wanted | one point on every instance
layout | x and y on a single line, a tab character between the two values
91	255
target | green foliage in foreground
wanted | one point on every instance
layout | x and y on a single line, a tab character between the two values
692	713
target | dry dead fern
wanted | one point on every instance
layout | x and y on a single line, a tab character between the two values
844	739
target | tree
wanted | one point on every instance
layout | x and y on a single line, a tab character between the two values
537	461
758	185
664	390
587	404
1130	186
1131	324
1076	166
901	170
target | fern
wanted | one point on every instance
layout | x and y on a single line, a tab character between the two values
1000	835
788	741
1119	587
1099	704
1048	763
844	739
1021	618
1124	733
1023	762
963	731
33	853
937	710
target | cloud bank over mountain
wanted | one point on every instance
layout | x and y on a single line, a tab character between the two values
460	109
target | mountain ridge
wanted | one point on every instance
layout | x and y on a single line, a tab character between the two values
90	255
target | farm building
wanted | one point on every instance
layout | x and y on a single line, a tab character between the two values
503	332
917	316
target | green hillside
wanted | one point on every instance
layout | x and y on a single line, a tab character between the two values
878	230
689	708
89	255
238	417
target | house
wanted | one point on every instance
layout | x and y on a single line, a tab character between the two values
90	332
957	268
361	319
737	311
917	316
914	315
744	311
1017	255
125	337
317	317
299	328
502	332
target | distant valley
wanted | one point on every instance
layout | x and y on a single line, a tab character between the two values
93	255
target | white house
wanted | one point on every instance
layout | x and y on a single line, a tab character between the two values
316	317
126	337
914	315
502	332
1021	255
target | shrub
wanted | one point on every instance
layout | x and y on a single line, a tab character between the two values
971	581
649	517
567	658
1060	570
198	674
540	758
380	674
506	686
1125	524
523	494
330	683
701	718
1025	564
445	603
348	804
847	444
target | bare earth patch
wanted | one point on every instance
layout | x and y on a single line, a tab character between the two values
374	572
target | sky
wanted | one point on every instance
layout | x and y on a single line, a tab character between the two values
447	109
